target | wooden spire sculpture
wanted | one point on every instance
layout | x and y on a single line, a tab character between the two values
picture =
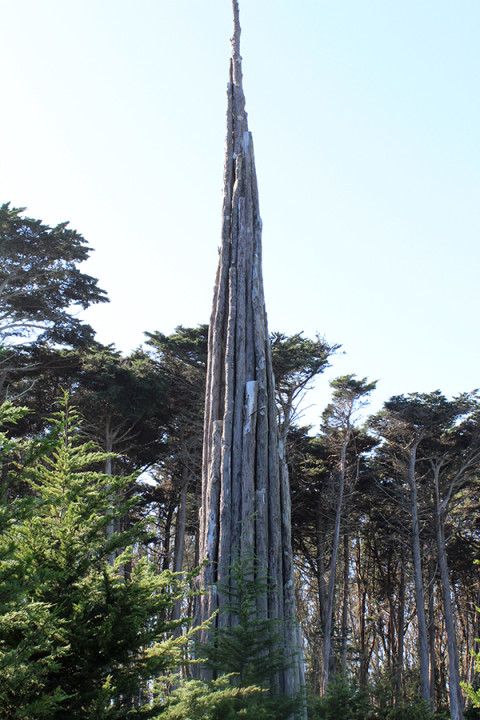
245	510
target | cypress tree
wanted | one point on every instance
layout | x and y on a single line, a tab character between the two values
88	638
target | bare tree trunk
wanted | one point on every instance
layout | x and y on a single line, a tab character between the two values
418	580
431	628
179	545
167	532
180	525
245	511
3	378
400	631
475	635
109	469
362	612
454	687
346	597
322	595
109	440
327	640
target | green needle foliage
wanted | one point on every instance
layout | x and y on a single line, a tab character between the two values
249	649
80	637
40	280
215	700
32	643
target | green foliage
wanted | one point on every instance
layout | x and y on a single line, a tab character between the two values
389	704
343	701
185	345
249	646
472	691
432	411
223	699
182	356
9	417
216	700
248	649
31	643
411	710
80	636
349	395
123	399
297	360
40	279
131	387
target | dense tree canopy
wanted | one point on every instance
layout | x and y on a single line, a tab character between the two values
40	280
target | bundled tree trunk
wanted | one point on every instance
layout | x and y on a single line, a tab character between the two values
245	511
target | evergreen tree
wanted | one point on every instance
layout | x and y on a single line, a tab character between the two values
349	395
40	280
248	647
89	637
31	642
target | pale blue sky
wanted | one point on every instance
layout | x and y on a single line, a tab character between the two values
365	116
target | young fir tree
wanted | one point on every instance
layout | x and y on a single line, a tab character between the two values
248	649
31	644
78	637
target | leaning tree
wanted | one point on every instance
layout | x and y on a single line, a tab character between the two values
245	513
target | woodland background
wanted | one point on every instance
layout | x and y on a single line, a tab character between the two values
100	495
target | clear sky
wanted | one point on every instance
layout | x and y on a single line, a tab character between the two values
365	116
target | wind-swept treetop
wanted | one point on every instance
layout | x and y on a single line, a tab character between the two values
40	281
296	361
430	410
186	345
350	395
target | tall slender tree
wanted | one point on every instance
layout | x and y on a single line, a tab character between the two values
349	395
404	435
245	491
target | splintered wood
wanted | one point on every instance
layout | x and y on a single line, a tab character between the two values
245	512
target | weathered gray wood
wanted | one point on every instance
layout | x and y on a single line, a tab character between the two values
245	490
247	545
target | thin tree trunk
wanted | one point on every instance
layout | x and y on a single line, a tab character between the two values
418	580
431	628
345	602
327	640
362	612
400	631
167	537
322	595
180	525
454	687
179	545
109	469
475	635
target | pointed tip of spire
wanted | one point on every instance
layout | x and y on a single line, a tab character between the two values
236	57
